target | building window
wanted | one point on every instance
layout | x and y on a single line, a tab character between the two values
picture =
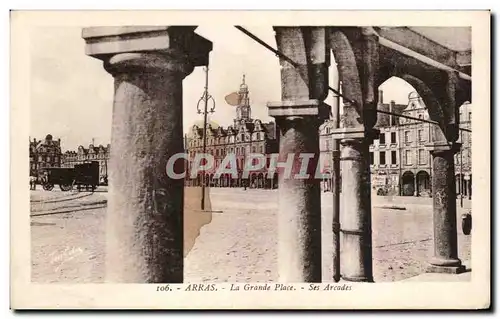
48	159
40	158
382	139
327	130
56	159
258	136
382	158
393	157
253	149
242	137
372	158
408	157
421	137
407	137
421	157
470	116
393	137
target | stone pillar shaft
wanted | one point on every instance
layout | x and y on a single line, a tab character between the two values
355	218
144	234
145	208
444	213
299	213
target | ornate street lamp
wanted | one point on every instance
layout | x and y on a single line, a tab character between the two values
205	98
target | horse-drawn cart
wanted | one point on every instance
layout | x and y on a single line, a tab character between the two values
83	176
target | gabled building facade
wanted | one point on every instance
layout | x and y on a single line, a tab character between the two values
245	136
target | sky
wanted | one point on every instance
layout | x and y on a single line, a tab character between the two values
72	94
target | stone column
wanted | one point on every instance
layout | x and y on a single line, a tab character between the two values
144	232
445	258
304	85
355	215
299	212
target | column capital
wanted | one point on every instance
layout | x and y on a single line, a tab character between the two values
355	133
437	148
152	63
297	109
147	48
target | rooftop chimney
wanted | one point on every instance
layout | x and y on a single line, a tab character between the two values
380	96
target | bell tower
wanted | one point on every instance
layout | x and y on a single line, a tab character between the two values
243	110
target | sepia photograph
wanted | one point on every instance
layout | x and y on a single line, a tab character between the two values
260	163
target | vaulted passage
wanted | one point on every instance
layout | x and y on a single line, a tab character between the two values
148	64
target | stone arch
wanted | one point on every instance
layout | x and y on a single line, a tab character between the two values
239	180
267	181
260	180
432	103
434	107
253	180
347	66
423	181
408	184
384	105
327	181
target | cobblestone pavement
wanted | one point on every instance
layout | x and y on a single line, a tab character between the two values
239	245
67	236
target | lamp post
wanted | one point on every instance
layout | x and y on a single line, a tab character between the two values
205	98
461	176
336	179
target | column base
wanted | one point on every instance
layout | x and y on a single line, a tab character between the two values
446	269
356	279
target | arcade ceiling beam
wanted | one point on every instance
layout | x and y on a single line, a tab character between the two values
417	46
